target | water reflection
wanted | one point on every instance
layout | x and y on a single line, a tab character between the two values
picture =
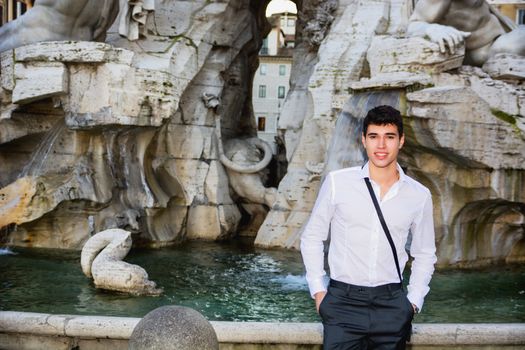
234	282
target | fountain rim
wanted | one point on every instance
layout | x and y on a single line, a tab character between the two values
16	323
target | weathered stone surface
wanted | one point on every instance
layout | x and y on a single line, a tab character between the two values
190	141
138	149
173	327
38	81
72	51
20	125
392	80
7	65
339	61
389	54
212	222
505	66
456	120
500	95
118	94
15	199
216	185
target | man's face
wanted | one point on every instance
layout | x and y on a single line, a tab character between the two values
382	144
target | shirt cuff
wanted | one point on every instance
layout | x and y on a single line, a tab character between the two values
316	286
416	300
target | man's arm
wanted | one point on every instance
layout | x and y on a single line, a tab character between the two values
312	238
424	22
423	250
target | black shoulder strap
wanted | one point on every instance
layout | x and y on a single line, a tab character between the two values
385	227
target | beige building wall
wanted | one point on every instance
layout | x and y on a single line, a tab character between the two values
270	86
514	10
272	79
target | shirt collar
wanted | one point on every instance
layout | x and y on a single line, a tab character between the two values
365	172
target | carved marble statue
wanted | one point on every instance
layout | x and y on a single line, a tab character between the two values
120	136
243	165
51	20
484	31
101	259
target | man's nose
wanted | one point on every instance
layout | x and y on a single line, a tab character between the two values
382	142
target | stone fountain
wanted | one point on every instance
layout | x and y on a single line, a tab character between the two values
152	130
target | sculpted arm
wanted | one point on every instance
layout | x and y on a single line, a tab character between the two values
426	21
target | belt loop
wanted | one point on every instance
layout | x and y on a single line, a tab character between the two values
348	290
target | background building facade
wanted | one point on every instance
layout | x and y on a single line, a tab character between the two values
515	10
272	79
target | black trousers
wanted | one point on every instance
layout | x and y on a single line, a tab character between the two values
360	318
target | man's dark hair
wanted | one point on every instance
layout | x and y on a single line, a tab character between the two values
383	115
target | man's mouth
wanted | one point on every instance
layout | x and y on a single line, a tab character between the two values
381	155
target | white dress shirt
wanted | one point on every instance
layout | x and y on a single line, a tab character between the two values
359	251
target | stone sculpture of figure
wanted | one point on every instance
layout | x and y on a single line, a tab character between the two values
452	22
101	259
51	20
244	167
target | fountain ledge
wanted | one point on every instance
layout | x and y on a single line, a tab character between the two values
27	330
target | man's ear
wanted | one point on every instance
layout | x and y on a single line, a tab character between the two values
363	139
401	141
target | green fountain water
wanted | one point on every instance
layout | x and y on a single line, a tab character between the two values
235	282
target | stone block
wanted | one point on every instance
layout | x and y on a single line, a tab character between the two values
36	81
212	222
415	54
190	141
392	80
72	51
191	174
458	123
216	187
203	222
15	199
498	94
229	217
166	225
26	124
505	66
7	64
173	19
274	232
118	94
99	327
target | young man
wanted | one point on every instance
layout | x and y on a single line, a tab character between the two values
365	306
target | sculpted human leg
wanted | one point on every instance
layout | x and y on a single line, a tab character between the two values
512	42
51	20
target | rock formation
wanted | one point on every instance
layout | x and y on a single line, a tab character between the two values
115	134
124	133
465	131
